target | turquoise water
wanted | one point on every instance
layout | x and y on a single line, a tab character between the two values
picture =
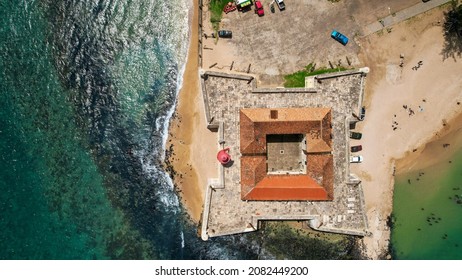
54	202
86	92
427	210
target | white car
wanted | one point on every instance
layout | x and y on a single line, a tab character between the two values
356	159
281	4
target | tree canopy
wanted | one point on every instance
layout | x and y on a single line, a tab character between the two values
453	31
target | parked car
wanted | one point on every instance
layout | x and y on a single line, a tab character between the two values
229	7
272	7
362	113
225	34
356	148
259	8
353	124
356	159
339	37
281	5
355	135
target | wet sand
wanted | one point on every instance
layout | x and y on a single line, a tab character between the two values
440	148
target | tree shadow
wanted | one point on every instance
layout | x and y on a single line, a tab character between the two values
452	28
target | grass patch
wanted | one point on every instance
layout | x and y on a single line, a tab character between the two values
216	10
297	79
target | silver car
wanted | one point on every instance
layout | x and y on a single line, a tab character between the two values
281	5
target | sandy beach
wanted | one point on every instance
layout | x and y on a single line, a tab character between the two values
193	145
407	108
411	112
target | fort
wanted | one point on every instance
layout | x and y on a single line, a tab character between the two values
290	153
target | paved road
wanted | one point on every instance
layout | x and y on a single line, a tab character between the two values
402	15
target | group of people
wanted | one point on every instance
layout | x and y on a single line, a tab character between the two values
420	63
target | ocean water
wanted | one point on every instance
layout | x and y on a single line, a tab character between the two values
86	91
427	210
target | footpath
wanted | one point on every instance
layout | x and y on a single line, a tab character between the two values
401	16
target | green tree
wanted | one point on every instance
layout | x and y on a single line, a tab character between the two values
453	31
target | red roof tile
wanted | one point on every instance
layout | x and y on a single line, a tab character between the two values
256	183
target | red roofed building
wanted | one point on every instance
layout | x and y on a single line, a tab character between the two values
286	154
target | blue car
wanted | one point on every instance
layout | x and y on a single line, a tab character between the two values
339	37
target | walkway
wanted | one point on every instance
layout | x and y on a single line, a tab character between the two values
401	16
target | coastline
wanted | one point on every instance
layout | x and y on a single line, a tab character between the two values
408	110
189	139
434	151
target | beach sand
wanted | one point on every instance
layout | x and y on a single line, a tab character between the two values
219	52
194	146
406	109
388	88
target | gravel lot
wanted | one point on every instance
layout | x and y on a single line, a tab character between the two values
285	41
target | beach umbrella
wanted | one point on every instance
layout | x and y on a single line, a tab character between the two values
223	156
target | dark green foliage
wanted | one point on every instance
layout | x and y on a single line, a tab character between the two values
391	220
297	79
453	31
216	10
285	242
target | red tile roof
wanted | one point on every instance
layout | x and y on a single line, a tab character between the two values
315	124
